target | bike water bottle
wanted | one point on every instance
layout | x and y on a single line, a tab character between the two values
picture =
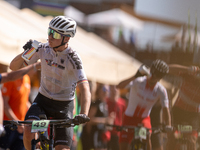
29	52
145	71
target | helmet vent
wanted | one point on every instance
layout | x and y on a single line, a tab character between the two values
56	22
71	26
59	23
62	26
53	21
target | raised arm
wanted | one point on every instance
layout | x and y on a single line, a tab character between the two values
124	83
140	72
13	75
17	62
175	69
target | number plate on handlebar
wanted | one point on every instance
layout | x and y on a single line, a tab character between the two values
140	132
184	128
39	125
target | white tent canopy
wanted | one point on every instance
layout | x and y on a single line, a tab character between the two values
102	61
76	14
15	31
115	18
184	36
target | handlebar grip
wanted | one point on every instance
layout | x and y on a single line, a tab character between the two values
75	121
87	119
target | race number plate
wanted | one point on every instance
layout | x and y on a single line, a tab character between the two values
184	128
39	125
141	133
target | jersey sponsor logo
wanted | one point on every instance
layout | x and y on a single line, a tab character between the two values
72	63
72	93
47	46
40	46
75	60
62	61
51	63
61	67
81	77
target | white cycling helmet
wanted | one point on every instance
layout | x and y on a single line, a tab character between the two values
159	68
63	25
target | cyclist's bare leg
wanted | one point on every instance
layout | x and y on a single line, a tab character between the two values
27	137
123	146
149	142
62	147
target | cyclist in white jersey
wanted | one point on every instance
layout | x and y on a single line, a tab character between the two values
61	72
145	91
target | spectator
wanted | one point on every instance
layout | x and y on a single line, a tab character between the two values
116	108
94	135
16	102
11	76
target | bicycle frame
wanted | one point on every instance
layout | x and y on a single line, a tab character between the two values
46	144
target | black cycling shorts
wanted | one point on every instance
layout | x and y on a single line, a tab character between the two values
56	110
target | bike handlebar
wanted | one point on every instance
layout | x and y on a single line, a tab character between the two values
154	130
63	122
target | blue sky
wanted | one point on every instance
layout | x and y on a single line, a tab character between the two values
166	9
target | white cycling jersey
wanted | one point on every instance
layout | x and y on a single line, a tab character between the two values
142	98
60	72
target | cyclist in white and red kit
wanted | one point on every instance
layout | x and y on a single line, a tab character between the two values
145	91
61	72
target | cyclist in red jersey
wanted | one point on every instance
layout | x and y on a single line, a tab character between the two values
187	105
144	93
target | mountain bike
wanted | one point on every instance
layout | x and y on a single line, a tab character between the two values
40	127
141	133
